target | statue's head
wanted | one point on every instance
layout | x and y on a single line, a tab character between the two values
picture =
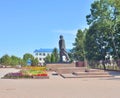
61	36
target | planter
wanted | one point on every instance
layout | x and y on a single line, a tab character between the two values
40	77
79	64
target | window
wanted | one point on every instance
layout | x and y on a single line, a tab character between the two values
36	54
40	59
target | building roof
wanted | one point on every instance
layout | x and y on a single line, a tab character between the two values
47	50
43	50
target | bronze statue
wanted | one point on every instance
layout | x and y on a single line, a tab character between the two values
63	54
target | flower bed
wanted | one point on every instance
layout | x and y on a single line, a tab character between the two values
29	72
34	68
16	75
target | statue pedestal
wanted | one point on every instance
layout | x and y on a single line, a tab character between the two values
70	70
80	64
61	68
54	66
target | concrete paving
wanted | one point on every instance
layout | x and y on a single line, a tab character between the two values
4	71
58	87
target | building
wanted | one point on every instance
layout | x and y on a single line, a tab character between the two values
41	54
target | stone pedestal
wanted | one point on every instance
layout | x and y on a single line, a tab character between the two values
54	66
80	64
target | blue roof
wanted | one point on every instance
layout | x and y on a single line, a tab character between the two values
48	50
43	50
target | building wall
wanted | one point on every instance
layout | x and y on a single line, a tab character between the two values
41	56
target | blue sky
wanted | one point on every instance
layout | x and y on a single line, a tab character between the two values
26	25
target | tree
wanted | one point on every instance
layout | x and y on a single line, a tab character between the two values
14	60
5	60
97	37
104	32
101	10
35	62
52	58
117	38
48	59
55	54
22	62
78	50
28	56
70	54
106	15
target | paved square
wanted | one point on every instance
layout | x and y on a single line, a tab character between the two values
58	87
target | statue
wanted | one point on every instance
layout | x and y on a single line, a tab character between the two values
63	54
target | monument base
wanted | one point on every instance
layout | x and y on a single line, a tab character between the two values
70	70
55	66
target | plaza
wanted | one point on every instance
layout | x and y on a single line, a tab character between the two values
60	49
58	87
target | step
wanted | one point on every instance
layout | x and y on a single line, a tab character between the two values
54	66
84	76
90	73
95	70
70	70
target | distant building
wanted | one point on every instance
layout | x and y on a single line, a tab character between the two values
41	54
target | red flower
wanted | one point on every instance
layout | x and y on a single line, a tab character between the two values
41	75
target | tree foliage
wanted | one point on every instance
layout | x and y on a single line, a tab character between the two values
104	31
35	62
48	59
28	56
53	58
55	54
5	60
10	60
14	60
78	50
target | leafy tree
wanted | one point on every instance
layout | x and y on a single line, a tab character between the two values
5	60
55	54
35	62
104	21
105	15
78	50
117	38
22	62
97	37
48	59
52	58
28	56
14	60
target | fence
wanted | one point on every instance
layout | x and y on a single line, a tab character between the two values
109	65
